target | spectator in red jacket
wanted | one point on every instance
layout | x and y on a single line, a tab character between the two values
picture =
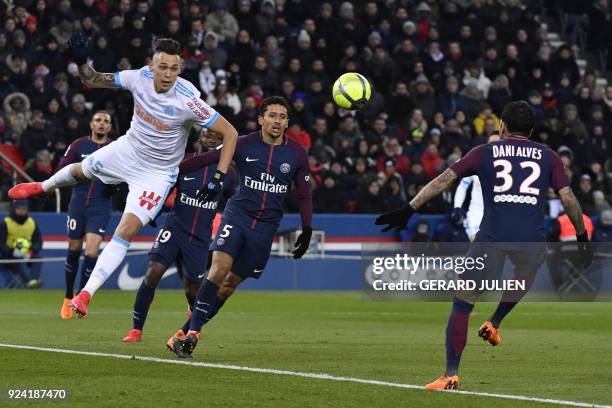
392	151
432	162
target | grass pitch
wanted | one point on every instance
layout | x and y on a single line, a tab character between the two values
550	350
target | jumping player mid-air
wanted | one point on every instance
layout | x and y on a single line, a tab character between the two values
268	163
89	209
515	174
184	238
147	157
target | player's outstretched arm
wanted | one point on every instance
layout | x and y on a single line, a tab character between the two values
230	137
78	52
574	212
397	219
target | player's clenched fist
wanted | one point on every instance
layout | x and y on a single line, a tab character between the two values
395	219
212	188
302	243
79	48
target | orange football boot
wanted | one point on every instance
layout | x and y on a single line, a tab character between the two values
444	383
66	311
489	333
179	335
133	336
25	190
80	302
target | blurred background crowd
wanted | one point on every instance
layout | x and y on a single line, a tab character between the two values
441	72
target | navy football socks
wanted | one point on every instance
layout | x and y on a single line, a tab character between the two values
141	305
456	334
88	266
502	310
204	307
70	269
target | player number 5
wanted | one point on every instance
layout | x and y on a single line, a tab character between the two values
504	174
226	231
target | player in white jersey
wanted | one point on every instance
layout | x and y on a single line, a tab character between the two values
147	156
472	219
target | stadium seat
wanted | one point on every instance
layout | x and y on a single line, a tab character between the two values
574	276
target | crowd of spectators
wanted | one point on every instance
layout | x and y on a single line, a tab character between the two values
441	72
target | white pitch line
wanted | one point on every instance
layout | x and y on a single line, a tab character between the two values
318	376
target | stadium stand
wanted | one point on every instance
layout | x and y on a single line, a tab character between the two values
441	72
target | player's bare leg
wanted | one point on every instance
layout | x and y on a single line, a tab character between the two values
144	298
110	258
456	339
67	176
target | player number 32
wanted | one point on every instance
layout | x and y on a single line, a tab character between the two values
505	175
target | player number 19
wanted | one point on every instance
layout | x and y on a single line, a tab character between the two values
504	174
163	235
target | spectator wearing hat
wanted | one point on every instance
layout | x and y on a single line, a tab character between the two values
222	23
603	227
17	110
300	111
21	239
213	53
450	101
264	19
584	194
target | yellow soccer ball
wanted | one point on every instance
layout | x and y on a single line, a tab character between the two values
351	91
22	244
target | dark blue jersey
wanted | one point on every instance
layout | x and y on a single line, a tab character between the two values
515	174
193	216
266	174
95	193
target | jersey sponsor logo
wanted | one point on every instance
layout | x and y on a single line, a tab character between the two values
285	168
265	183
169	110
188	178
201	111
207	205
150	119
515	198
150	200
248	159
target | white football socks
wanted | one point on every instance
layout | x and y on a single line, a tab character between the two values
108	261
63	178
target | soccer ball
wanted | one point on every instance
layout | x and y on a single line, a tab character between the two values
22	244
351	91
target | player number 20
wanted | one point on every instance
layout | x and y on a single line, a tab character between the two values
72	224
504	174
163	235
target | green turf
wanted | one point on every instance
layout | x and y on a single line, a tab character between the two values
549	350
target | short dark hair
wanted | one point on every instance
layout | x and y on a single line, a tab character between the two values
518	118
167	45
273	100
101	111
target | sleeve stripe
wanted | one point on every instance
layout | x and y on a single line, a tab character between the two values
118	80
212	121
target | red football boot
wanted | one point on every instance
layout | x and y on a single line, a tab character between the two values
80	302
25	190
133	336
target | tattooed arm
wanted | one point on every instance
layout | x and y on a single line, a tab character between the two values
91	77
572	209
436	186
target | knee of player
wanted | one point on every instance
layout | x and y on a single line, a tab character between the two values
154	274
91	252
74	246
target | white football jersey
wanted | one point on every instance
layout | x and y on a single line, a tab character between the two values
161	121
476	207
